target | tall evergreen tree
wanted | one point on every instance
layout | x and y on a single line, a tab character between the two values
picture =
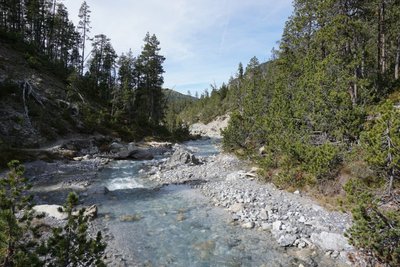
149	96
102	66
84	27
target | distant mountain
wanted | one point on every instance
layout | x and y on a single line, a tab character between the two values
174	96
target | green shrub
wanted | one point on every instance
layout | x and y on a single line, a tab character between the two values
321	160
70	245
15	218
375	230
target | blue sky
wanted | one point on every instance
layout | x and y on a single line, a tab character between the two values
203	40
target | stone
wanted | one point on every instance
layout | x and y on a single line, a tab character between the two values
265	226
302	219
277	225
116	147
297	192
248	225
233	176
330	241
286	240
262	151
130	218
51	210
335	254
182	156
122	154
180	217
236	207
141	154
263	214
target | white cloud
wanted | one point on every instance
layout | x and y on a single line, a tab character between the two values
201	39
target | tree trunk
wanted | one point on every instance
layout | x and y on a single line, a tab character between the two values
381	38
397	62
390	158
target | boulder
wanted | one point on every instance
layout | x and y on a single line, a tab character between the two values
330	241
116	147
141	154
182	156
51	210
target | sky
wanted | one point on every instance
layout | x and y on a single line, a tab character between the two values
203	40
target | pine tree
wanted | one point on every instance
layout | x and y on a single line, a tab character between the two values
84	27
70	245
382	141
102	66
16	249
148	95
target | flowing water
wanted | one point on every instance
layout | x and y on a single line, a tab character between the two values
176	225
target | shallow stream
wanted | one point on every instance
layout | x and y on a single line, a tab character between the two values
175	225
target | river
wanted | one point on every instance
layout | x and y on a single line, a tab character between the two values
176	225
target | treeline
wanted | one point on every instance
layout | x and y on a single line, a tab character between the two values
327	105
123	92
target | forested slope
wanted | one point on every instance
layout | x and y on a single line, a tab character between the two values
58	79
324	114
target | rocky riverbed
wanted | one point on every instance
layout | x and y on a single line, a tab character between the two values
302	228
293	220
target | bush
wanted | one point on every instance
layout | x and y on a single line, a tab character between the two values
321	160
375	230
15	218
70	245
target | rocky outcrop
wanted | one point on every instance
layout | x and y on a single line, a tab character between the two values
212	129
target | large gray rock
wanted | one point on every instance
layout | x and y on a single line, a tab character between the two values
141	154
330	241
182	156
116	147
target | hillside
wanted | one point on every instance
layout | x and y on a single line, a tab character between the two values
35	105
